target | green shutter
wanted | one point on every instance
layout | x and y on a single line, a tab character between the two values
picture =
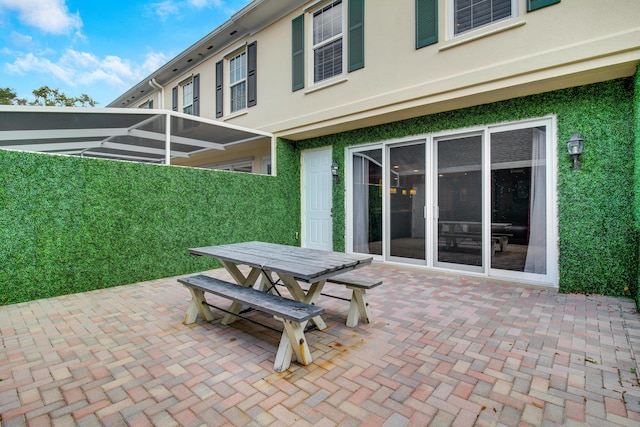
252	78
356	34
219	83
426	22
297	37
538	4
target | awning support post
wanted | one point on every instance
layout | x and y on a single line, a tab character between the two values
167	149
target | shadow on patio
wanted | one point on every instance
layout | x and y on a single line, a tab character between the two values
442	350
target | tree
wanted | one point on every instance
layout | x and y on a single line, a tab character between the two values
10	97
47	97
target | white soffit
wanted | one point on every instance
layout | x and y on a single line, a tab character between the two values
116	133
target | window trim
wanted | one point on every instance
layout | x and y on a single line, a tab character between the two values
312	47
451	35
183	104
231	58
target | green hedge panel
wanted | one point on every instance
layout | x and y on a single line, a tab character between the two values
71	225
598	239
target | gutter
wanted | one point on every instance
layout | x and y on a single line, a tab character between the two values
154	84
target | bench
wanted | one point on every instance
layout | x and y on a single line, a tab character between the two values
293	314
359	306
500	240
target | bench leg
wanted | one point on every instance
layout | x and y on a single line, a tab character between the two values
241	280
197	307
358	308
293	344
311	296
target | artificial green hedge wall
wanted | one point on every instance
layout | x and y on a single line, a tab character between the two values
598	240
71	225
636	128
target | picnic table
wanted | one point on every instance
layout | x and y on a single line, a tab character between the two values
291	264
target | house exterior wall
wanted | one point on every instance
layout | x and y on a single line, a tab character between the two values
563	45
574	60
598	238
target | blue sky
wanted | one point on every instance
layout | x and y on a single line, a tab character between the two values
98	47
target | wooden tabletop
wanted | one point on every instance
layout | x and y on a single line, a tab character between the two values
309	265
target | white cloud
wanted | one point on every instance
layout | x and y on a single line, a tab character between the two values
166	8
199	4
20	40
50	16
86	70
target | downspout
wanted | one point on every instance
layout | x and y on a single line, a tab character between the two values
154	84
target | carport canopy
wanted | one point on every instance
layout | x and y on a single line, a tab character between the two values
141	135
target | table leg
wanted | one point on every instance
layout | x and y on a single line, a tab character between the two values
311	297
241	280
196	306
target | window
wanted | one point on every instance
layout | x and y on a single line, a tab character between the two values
190	95
334	42
238	82
471	14
187	98
327	42
240	165
147	104
242	66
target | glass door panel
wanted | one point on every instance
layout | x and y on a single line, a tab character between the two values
367	201
459	198
406	201
519	200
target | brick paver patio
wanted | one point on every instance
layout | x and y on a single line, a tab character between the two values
442	350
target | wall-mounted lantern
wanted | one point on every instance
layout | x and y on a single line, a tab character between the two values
334	173
575	145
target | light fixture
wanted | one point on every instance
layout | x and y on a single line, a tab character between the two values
574	146
334	173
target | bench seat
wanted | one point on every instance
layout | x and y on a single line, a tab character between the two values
293	314
359	307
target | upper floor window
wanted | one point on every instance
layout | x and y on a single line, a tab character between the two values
327	42
190	89
238	82
335	42
187	98
471	14
241	81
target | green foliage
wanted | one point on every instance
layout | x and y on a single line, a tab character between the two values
45	96
71	225
598	240
636	129
9	96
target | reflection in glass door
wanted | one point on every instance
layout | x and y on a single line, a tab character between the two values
459	187
406	201
519	200
367	201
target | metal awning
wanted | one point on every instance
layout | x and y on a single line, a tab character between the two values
141	135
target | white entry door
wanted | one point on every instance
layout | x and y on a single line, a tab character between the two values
317	224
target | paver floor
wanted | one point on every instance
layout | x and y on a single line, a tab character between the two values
441	351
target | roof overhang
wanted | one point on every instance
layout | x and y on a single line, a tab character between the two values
252	18
153	136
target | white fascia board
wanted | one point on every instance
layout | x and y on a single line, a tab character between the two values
23	135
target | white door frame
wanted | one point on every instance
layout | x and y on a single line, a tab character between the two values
317	227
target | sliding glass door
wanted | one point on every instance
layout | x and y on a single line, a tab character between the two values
479	201
460	237
406	178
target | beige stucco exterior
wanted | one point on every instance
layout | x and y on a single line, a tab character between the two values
571	43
